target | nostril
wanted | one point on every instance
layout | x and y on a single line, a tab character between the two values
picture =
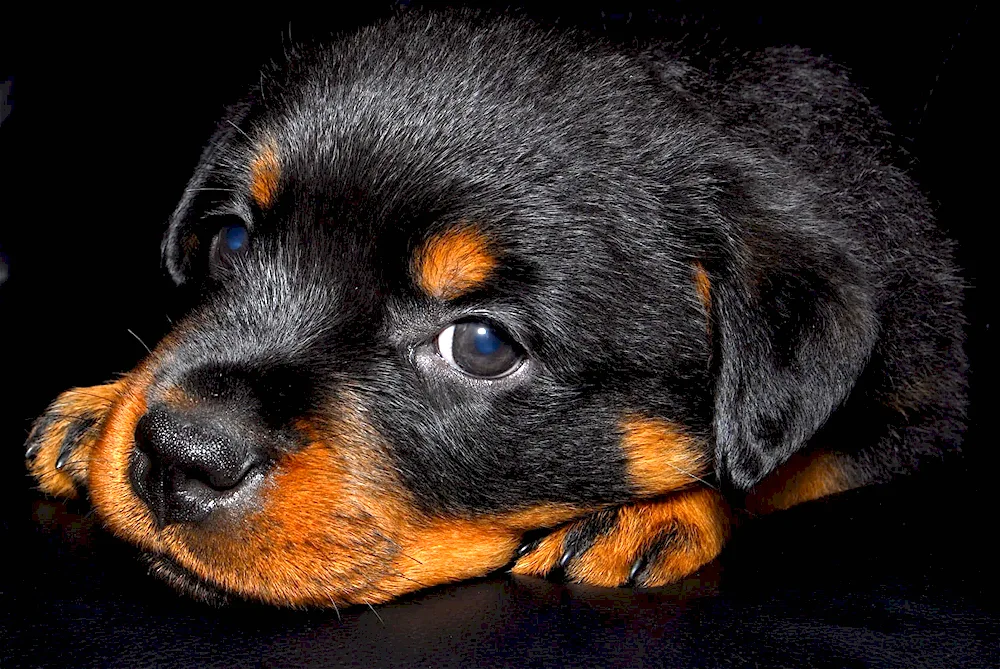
220	472
183	468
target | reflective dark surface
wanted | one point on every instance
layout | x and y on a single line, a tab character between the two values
878	577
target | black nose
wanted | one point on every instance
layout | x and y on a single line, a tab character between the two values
185	467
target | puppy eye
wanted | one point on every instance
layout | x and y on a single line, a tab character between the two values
231	240
479	349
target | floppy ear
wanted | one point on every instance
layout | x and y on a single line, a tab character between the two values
794	327
210	189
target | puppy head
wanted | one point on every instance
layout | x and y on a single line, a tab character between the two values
451	287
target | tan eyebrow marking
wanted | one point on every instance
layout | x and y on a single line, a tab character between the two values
453	262
264	173
703	286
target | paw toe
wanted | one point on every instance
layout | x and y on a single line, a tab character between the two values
647	544
58	448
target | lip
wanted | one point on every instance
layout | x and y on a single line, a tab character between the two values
167	569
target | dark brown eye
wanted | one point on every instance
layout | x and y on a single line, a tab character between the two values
479	349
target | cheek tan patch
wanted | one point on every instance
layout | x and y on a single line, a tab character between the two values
326	534
264	174
661	457
333	526
453	262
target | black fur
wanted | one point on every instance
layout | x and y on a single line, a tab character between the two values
603	176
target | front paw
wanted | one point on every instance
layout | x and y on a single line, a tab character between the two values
646	544
61	440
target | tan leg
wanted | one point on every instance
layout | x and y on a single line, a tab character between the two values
649	543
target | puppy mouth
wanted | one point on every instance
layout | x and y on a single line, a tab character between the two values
196	587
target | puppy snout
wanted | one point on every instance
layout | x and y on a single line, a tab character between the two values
187	467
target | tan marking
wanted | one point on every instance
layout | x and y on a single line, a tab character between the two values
265	171
454	262
703	286
95	402
108	477
699	517
449	550
324	532
661	458
804	477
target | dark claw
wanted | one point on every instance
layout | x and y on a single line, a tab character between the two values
585	533
32	450
64	455
37	433
530	541
566	558
648	557
637	568
526	548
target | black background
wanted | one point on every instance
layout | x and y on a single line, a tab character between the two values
107	116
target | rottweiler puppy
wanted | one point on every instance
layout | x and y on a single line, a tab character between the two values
470	294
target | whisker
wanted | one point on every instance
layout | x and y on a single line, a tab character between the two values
206	189
411	580
411	558
140	341
239	130
96	397
689	474
376	614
